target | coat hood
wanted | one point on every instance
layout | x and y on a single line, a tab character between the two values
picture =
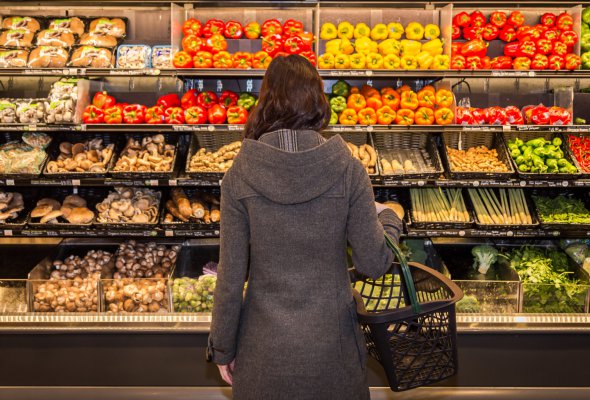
292	177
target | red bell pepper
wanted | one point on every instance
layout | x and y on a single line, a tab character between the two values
174	115
536	33
551	34
521	63
121	107
544	46
189	99
213	27
309	55
192	27
272	44
477	18
458	62
233	30
242	60
515	19
490	32
182	59
455	32
473	62
271	27
463	116
203	59
572	61
527	49
237	115
559	48
511	49
216	114
292	28
564	22
570	38
496	116
195	115
223	60
462	19
154	115
473	32
524	33
294	45
556	62
508	34
501	62
261	60
113	115
192	44
514	116
228	98
103	100
475	47
134	114
559	116
308	38
168	100
216	43
252	30
498	19
456	48
479	116
539	115
540	61
548	19
207	99
93	115
281	54
486	62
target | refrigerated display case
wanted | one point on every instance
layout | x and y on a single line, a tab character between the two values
501	341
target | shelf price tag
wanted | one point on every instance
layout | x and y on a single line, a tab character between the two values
7	232
249	85
173	182
152	182
168	233
10	182
75	182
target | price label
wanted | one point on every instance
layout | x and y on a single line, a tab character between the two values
168	233
152	182
510	233
7	232
211	128
461	233
475	183
172	182
421	183
522	183
75	182
505	128
75	190
10	182
370	128
32	127
249	85
235	127
565	183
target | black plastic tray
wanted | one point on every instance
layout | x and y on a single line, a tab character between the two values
561	225
358	139
191	225
29	194
211	141
123	225
437	225
481	225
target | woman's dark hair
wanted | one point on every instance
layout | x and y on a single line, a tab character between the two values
291	97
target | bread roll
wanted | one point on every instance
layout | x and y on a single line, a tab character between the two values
13	58
108	26
48	57
72	25
53	37
92	57
99	40
19	38
26	23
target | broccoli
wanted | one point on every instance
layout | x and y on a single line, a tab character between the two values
484	257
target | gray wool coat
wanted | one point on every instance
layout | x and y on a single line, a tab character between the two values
290	203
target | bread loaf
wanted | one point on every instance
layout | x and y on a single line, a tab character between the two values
99	40
108	26
27	23
72	25
92	57
48	57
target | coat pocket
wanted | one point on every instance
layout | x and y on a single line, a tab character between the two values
358	336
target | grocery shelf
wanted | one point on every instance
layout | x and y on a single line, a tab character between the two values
149	232
495	233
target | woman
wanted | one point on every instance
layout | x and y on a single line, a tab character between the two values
290	203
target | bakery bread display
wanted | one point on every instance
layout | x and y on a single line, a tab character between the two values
13	58
17	38
127	205
199	207
54	37
48	57
70	25
108	26
98	40
92	57
88	156
217	161
28	24
366	154
73	210
152	154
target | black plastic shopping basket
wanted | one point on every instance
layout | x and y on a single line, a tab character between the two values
408	320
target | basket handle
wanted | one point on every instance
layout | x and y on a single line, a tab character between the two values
406	273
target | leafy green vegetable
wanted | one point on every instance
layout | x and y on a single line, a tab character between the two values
561	209
484	257
468	304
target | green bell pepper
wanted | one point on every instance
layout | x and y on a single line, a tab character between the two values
514	153
586	61
338	103
518	142
341	88
585	29
246	100
585	42
333	117
586	15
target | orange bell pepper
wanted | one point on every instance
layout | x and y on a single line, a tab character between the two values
444	98
375	102
222	60
429	87
404	117
403	88
367	116
354	90
409	100
387	89
261	60
356	101
348	117
385	116
368	91
444	116
426	98
391	99
424	116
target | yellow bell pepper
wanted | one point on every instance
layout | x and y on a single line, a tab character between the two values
328	31
410	47
434	47
431	31
374	61
342	61
389	46
409	62
395	30
414	31
391	61
441	62
326	61
345	30
358	61
424	60
361	30
379	32
365	45
339	46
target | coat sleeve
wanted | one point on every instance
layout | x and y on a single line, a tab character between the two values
365	230
231	276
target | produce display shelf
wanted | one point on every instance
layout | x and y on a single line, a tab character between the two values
154	232
495	233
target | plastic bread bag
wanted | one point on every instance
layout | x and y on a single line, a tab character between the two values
162	57
53	37
116	27
27	23
18	157
13	58
16	38
71	25
133	56
98	40
30	111
7	111
91	57
60	111
48	57
39	140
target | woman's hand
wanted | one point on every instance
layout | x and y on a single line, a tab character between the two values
227	372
